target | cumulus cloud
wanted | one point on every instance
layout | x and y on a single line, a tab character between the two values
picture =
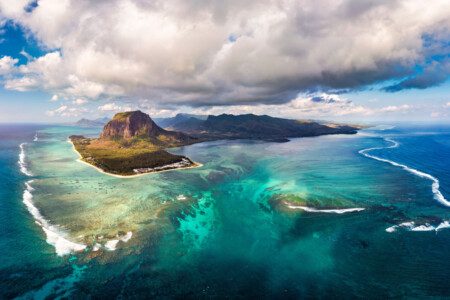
79	101
110	107
327	105
7	65
201	53
66	111
396	108
313	106
22	84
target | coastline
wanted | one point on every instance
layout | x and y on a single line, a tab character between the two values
80	159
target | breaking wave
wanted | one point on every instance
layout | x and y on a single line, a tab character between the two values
112	244
55	236
22	161
411	226
328	211
438	196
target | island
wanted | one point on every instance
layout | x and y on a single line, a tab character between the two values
92	123
133	144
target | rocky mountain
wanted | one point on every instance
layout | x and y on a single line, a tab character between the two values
92	123
251	126
132	143
136	125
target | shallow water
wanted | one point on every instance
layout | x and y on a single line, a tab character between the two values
215	230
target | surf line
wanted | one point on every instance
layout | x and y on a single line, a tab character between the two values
22	160
438	196
329	211
54	236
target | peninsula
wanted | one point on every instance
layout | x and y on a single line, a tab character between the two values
131	144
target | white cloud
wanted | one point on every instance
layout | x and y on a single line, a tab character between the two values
7	65
66	111
56	111
321	105
42	73
110	107
447	104
26	55
327	105
395	108
79	101
22	84
181	51
54	98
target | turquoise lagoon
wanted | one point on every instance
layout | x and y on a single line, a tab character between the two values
220	230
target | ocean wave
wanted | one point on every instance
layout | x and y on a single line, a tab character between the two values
36	138
111	245
411	226
181	197
22	160
328	211
54	236
438	196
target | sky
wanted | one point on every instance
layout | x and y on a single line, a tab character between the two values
342	60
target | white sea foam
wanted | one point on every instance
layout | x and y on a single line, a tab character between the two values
36	138
438	196
443	225
55	236
22	160
126	237
391	229
96	247
181	197
329	211
410	226
426	227
111	245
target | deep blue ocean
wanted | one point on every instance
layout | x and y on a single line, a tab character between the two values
361	216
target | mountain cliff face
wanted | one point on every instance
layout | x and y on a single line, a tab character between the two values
136	124
131	124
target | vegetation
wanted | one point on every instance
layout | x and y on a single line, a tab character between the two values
122	115
124	157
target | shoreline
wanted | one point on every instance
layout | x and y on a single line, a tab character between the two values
80	159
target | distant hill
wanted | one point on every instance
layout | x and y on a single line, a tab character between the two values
180	121
92	123
250	126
